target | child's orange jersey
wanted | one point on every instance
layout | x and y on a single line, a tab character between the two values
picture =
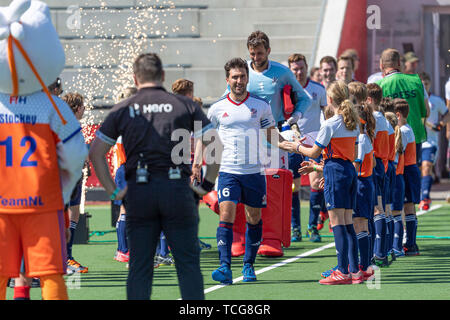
381	141
400	161
365	156
336	140
409	143
30	131
391	146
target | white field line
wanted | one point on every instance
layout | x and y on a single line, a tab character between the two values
432	208
276	265
303	255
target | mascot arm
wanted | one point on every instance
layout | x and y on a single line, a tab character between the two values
71	157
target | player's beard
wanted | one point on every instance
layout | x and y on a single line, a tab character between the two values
239	92
261	64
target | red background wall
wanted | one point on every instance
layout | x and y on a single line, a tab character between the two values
354	35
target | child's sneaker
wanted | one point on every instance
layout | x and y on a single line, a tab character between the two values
315	236
369	272
425	204
74	266
204	245
121	257
337	277
164	260
381	262
357	277
410	251
323	216
398	253
327	273
296	235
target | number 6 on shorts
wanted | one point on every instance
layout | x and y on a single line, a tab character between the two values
225	192
228	188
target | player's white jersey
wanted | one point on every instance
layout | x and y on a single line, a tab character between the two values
437	108
390	129
239	126
375	77
381	123
311	119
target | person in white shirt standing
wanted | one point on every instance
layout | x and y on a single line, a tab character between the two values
309	125
242	120
430	146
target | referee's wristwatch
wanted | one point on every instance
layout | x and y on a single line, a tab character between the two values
114	194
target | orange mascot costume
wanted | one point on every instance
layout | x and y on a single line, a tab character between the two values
42	149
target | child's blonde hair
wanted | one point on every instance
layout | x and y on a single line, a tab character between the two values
338	92
328	112
358	91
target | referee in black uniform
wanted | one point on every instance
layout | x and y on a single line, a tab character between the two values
158	193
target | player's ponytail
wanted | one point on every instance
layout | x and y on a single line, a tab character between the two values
398	140
366	114
358	93
390	116
338	92
347	110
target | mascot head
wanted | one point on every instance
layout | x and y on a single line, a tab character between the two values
31	55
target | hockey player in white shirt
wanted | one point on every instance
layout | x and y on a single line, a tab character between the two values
309	126
240	118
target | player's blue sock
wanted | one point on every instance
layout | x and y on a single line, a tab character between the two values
410	220
371	237
380	235
72	228
224	237
398	233
295	220
363	244
352	248
427	181
164	248
315	205
121	234
391	231
415	229
388	235
253	236
341	242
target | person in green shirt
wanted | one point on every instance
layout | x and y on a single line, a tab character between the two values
396	84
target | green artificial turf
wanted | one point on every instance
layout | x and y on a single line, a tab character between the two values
422	277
